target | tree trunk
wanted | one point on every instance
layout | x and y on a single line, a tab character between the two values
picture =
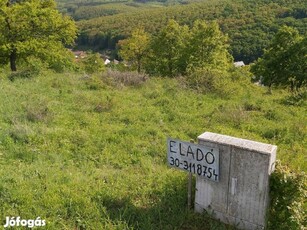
139	65
13	58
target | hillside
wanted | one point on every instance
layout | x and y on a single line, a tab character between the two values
89	152
96	8
250	25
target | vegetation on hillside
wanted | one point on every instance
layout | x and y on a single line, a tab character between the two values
88	152
135	48
249	24
178	50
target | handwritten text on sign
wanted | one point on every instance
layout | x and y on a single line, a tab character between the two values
198	159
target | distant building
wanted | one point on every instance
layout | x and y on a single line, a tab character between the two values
239	64
107	61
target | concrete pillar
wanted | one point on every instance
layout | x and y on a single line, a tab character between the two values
241	196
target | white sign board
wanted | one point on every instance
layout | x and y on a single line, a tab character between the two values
197	159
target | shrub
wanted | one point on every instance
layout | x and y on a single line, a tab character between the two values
298	99
288	192
210	80
118	78
93	63
251	106
93	82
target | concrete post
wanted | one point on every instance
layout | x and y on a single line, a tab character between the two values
241	196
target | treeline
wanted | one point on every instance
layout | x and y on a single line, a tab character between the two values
250	25
198	54
178	50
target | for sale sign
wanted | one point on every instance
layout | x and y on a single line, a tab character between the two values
197	159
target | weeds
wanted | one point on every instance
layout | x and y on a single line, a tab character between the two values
119	79
27	73
288	199
298	99
37	113
21	132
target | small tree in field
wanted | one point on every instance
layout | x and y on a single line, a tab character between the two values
34	28
284	63
207	47
169	58
135	48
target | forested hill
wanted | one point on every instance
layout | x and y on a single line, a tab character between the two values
79	9
250	24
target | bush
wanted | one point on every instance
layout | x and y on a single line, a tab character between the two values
210	80
298	99
93	82
288	192
93	63
118	78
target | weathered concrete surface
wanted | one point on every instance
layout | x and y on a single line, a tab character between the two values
241	196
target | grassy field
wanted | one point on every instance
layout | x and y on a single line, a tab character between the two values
83	153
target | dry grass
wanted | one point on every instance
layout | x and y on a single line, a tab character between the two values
119	79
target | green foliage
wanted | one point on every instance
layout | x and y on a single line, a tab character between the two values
210	81
208	59
168	50
299	99
93	63
34	29
284	62
135	48
288	200
207	47
177	50
250	25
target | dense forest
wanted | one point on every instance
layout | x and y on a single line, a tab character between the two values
250	24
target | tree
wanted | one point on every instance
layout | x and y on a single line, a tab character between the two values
284	63
297	68
135	48
168	49
33	28
178	50
207	47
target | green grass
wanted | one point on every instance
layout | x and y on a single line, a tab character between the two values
86	155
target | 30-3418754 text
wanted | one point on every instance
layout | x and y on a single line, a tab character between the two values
197	159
